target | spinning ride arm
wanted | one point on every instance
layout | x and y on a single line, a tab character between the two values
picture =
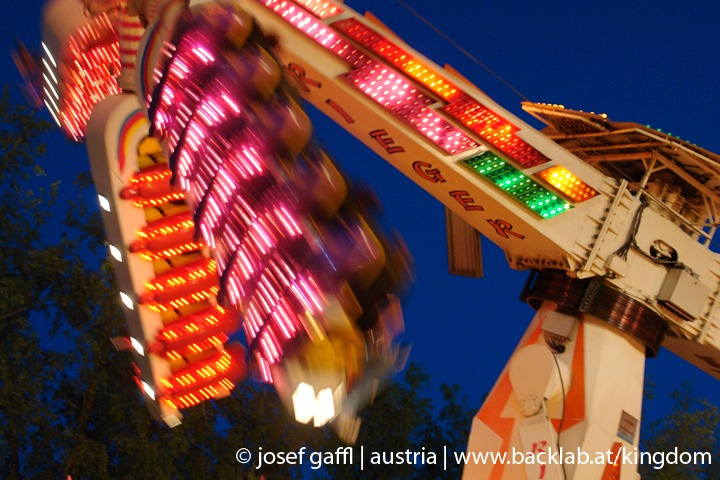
305	266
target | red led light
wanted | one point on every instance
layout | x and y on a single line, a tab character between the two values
317	30
151	187
175	224
92	62
207	378
201	327
396	94
159	172
158	201
320	8
404	61
165	248
182	286
494	129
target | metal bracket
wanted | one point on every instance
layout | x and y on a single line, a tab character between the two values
589	297
605	226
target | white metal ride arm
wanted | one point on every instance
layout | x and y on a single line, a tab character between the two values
548	210
543	205
617	267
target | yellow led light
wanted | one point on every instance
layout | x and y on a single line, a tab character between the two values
567	183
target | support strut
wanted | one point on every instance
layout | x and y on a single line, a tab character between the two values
567	405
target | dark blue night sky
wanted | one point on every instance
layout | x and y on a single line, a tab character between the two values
644	61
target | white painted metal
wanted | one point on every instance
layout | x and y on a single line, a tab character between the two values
580	241
607	365
607	370
121	227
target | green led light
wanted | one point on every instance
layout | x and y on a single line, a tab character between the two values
539	199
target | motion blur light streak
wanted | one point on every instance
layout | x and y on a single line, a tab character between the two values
93	62
228	162
233	150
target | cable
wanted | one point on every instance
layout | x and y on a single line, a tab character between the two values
452	42
630	242
625	247
555	342
460	48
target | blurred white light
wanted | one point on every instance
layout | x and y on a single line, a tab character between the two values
127	301
304	402
172	420
50	70
148	390
51	112
104	203
137	346
50	55
115	252
325	407
49	84
47	94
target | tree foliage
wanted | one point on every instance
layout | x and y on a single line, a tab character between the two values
69	404
68	401
692	426
26	369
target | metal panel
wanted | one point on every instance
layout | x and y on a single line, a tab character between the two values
464	249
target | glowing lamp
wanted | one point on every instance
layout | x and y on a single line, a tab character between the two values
304	402
115	252
137	346
320	8
495	130
104	203
567	183
325	407
401	59
318	31
537	198
148	390
126	300
398	95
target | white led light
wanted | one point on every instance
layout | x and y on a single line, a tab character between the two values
116	253
325	407
137	346
148	390
51	100
49	84
304	403
50	71
50	55
51	112
104	203
127	301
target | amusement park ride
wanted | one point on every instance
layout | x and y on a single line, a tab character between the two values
222	214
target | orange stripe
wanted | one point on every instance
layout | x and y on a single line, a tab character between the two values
503	427
575	409
491	411
612	470
498	398
500	394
